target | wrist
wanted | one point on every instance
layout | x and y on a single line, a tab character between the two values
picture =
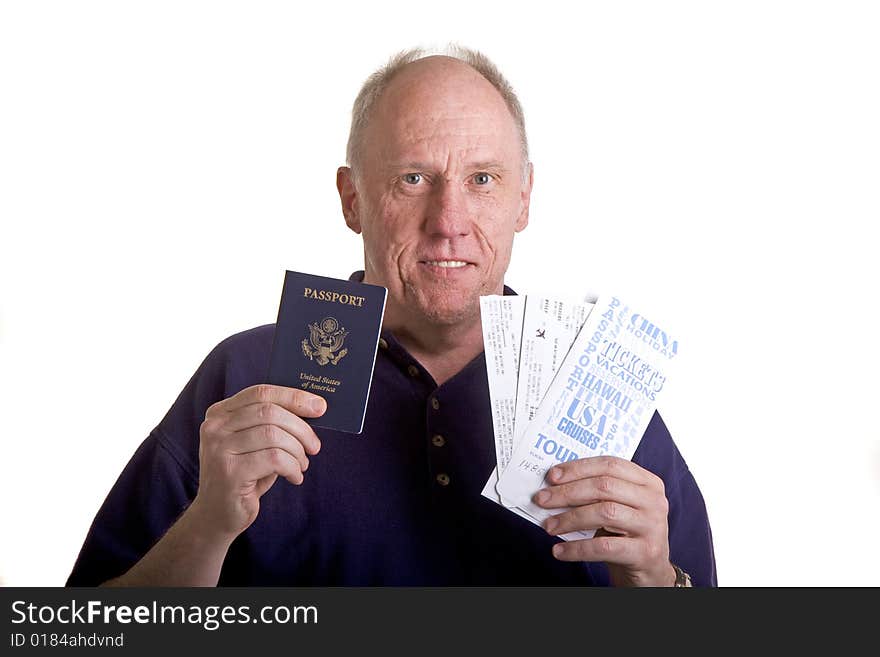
202	531
665	576
658	577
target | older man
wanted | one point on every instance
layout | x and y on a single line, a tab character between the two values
438	184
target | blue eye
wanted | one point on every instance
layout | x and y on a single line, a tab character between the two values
412	178
482	178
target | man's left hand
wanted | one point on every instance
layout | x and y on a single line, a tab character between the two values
627	506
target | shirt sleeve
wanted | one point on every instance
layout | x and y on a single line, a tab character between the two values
149	495
690	534
161	479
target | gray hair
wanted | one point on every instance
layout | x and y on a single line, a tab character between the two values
377	83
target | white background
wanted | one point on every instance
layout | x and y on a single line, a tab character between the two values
162	163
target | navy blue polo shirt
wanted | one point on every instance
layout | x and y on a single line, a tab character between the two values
399	504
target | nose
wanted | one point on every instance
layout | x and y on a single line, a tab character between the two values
447	211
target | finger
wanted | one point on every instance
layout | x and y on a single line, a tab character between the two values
588	491
254	466
617	518
265	484
267	413
299	402
266	436
610	549
598	466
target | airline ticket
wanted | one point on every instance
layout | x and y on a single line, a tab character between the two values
598	400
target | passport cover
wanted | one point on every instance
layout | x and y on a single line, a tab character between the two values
325	342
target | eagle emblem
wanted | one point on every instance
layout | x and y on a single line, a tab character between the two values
324	341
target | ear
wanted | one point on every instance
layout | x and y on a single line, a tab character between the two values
349	198
526	197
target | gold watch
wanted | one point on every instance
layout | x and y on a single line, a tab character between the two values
682	579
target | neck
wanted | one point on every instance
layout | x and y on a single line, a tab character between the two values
443	349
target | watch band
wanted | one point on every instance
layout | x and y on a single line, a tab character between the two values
682	579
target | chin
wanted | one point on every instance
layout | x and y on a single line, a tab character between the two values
449	308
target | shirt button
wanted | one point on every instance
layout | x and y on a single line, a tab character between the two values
438	440
413	370
435	404
383	344
443	479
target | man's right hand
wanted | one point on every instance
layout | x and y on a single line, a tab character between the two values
246	442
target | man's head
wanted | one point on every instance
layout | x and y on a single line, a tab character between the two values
439	176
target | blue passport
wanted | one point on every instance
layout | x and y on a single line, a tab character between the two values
325	342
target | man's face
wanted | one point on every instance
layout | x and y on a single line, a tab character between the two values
440	191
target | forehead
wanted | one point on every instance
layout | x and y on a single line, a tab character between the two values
441	107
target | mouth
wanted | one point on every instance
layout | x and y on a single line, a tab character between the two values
445	264
446	269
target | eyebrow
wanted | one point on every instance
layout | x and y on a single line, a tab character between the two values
489	164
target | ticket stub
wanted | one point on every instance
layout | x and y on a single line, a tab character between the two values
549	329
501	318
600	401
490	492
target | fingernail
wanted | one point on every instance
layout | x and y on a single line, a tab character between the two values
318	405
542	496
554	474
557	550
550	525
